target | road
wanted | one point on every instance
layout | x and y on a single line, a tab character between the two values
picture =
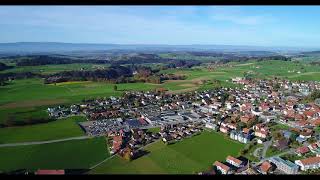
44	142
280	154
266	146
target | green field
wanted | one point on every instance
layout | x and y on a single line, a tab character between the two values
62	128
28	98
280	127
51	69
34	92
188	156
154	130
18	115
77	154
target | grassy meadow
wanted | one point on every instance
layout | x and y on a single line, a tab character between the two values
59	129
76	154
54	68
187	156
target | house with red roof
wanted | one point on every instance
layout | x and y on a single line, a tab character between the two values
265	167
309	114
116	143
234	161
302	150
316	122
224	169
308	163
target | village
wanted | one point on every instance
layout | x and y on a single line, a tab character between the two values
248	114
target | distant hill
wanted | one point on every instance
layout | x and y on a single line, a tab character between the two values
311	53
57	47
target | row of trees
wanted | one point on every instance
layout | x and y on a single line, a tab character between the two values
113	74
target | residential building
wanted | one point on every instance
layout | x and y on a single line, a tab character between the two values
234	161
265	167
224	169
211	126
302	150
286	166
309	163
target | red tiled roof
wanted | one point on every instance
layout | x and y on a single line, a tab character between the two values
234	159
316	122
302	123
309	113
117	138
265	166
302	150
50	172
299	117
223	166
310	161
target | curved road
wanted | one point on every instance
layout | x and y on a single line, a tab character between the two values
44	142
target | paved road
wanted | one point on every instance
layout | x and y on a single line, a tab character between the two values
44	142
277	155
266	146
256	152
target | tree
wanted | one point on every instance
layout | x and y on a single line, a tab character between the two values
127	155
115	87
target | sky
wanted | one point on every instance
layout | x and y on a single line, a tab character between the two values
290	26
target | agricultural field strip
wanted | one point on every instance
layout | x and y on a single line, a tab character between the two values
44	142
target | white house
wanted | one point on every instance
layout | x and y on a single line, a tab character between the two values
211	126
234	161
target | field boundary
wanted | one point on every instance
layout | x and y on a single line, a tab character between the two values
44	142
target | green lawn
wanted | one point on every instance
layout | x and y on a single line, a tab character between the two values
186	157
272	151
77	154
154	130
62	128
280	127
18	115
249	155
28	91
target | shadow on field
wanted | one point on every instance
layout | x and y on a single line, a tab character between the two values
140	153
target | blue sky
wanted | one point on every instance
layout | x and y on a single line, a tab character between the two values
228	25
